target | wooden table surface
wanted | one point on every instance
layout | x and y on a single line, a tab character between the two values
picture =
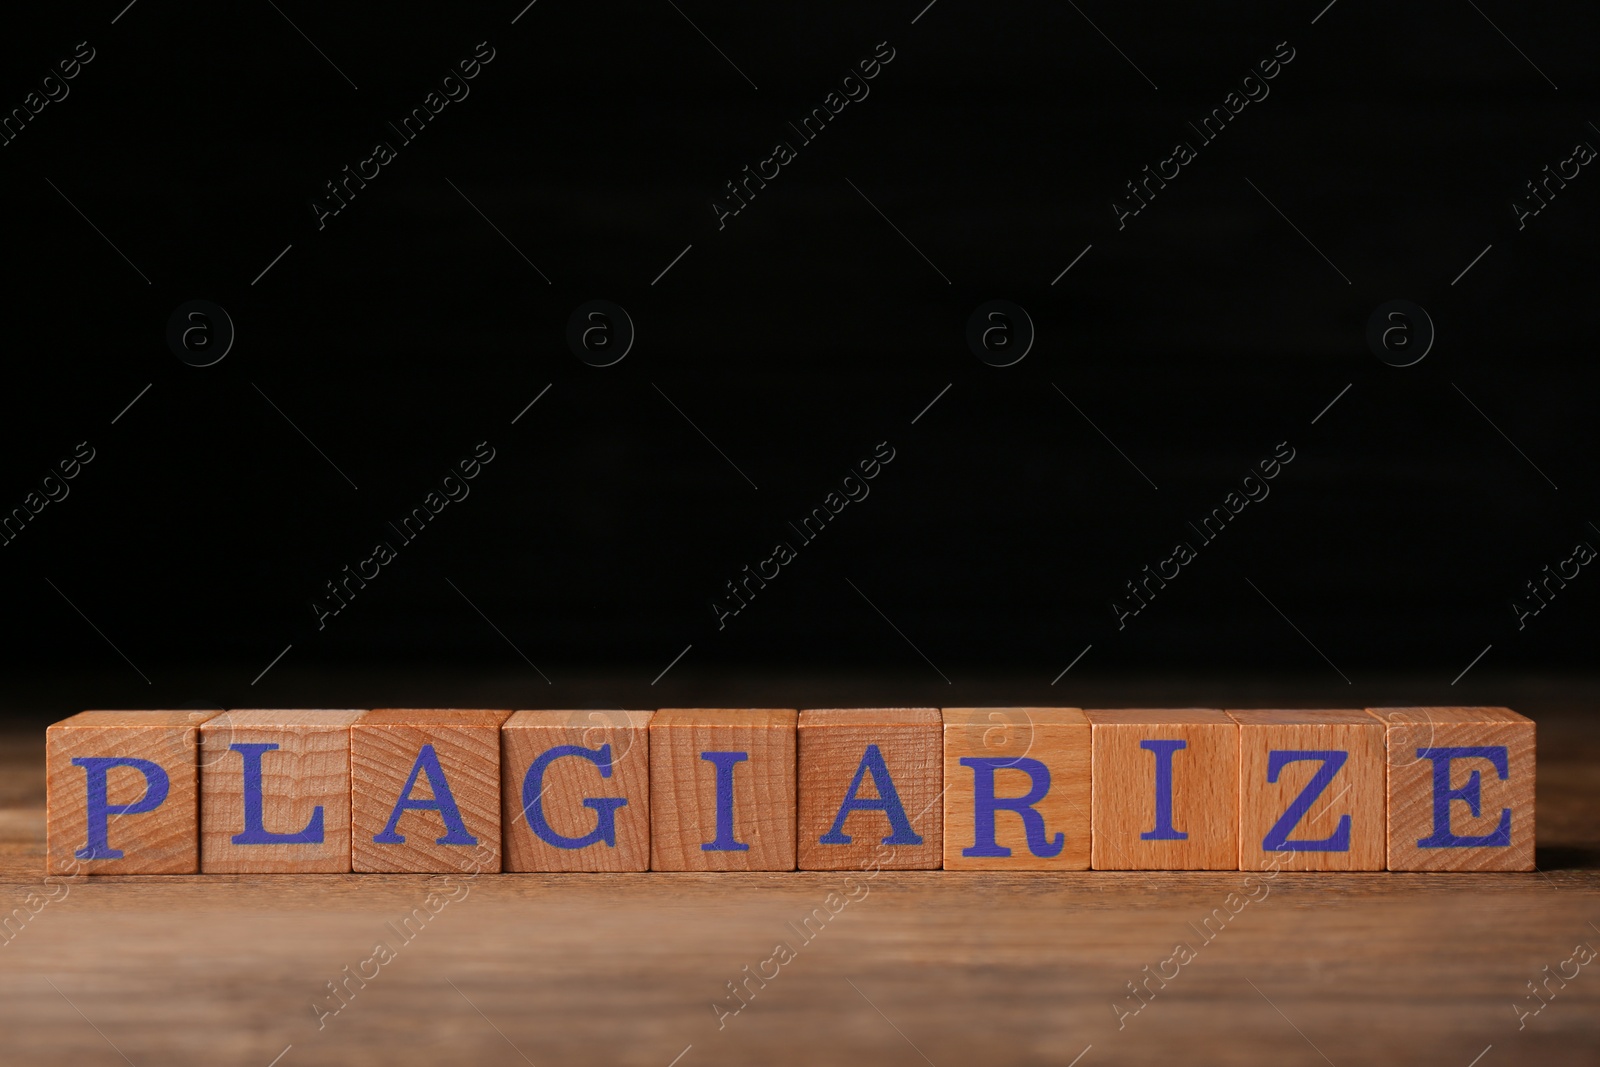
934	967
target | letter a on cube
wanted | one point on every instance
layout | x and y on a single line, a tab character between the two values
869	780
425	790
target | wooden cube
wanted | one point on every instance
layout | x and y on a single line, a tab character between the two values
1311	790
121	793
576	790
1166	790
425	790
1017	789
275	792
1461	789
722	789
869	784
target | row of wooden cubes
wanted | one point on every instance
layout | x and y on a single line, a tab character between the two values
164	792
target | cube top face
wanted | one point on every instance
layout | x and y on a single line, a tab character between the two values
1401	716
1007	732
576	790
1166	789
425	790
435	717
1311	790
869	786
275	792
244	718
1155	716
592	718
1461	789
869	717
122	792
722	789
714	717
131	720
989	717
1016	789
1300	716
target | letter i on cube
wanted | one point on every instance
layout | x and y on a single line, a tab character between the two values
1166	790
722	789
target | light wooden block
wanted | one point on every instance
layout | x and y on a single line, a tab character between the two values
278	810
1032	769
121	793
710	809
446	764
1466	810
1143	820
1311	790
869	781
576	790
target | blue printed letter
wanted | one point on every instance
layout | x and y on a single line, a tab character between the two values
1472	793
99	812
887	801
725	841
985	804
1163	751
442	802
533	799
1277	839
255	831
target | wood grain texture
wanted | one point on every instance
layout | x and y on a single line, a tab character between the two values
584	970
569	781
162	840
386	748
1059	740
683	788
1414	830
833	747
1204	793
1356	791
308	772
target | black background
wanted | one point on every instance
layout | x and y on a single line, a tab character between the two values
797	338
